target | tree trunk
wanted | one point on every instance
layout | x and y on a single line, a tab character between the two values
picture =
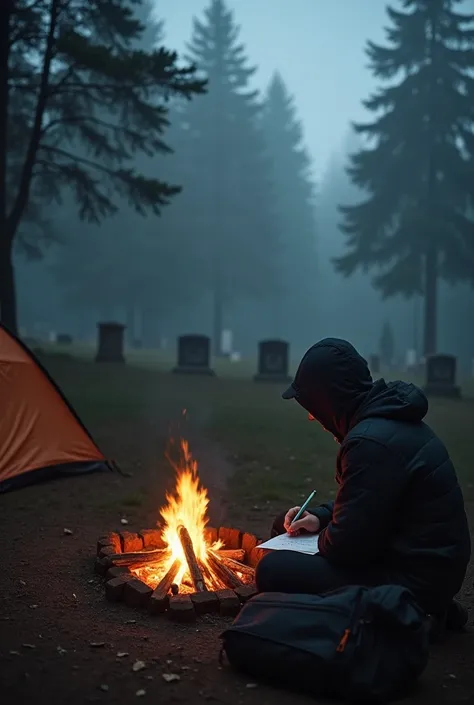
217	320
431	302
7	293
7	284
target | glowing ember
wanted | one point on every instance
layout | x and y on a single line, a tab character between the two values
187	507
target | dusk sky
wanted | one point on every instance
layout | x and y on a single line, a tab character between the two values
317	46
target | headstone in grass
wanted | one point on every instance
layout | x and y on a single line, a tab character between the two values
374	364
273	361
111	341
194	354
441	376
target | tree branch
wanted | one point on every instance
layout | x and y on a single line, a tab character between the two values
21	201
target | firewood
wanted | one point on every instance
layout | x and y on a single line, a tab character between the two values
236	566
238	554
194	570
211	581
159	597
227	576
138	557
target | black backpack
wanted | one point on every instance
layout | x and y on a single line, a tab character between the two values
356	644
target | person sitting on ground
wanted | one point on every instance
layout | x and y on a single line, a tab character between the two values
398	516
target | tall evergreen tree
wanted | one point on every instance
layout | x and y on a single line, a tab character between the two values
417	167
71	77
387	344
227	200
295	208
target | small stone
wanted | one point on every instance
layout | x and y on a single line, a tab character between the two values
61	651
251	685
29	646
451	675
14	653
122	654
138	666
33	607
104	687
140	693
96	644
124	521
171	677
22	582
68	532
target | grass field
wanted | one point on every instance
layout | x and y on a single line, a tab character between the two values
277	453
257	455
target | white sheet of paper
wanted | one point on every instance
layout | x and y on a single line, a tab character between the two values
305	543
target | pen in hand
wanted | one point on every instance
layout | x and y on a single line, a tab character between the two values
302	509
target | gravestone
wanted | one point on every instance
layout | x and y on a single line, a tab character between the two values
110	345
374	364
63	339
273	361
194	353
441	376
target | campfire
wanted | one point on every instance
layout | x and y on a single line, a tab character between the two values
184	567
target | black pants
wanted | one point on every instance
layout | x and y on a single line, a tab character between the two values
292	572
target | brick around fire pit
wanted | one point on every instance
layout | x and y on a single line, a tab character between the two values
122	584
131	542
181	608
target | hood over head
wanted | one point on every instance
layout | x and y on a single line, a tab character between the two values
333	383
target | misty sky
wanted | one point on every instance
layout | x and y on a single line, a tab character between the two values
318	47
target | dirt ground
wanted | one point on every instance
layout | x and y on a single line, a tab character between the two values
59	638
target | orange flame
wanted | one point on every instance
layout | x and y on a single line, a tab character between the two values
187	506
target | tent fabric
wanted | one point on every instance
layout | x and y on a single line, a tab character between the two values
41	436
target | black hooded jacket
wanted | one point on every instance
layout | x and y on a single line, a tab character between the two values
399	507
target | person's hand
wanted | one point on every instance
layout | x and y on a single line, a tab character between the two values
307	521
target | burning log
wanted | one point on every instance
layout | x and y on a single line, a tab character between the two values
238	554
233	565
159	598
137	558
194	569
223	572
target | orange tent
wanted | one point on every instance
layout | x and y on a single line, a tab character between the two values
41	436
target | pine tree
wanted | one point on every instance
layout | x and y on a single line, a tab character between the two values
387	344
295	207
72	79
417	166
227	201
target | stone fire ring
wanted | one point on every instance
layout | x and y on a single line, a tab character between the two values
122	585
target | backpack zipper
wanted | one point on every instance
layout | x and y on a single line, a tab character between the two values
352	629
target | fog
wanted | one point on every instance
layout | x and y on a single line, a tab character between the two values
154	273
